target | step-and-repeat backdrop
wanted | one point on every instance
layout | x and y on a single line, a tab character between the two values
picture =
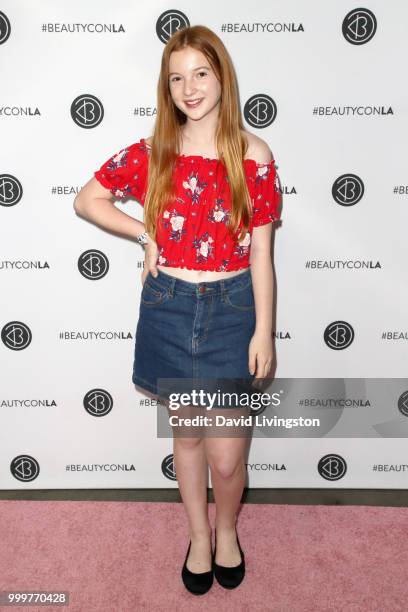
324	85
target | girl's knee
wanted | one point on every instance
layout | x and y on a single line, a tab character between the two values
225	467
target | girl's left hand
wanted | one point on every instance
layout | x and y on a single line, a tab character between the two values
261	354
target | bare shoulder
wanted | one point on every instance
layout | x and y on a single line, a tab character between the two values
258	149
148	141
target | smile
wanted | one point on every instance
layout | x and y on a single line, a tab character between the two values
193	103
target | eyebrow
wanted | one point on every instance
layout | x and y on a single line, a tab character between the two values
199	67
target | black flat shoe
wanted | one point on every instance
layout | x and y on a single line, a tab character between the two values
198	584
229	577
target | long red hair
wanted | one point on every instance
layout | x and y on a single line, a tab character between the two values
166	138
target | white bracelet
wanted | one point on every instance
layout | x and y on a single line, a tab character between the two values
142	238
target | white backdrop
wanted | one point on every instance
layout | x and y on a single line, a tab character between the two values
323	84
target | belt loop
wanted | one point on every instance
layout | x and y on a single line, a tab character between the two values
171	287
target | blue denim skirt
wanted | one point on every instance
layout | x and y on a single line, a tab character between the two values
194	331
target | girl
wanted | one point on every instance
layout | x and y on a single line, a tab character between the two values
210	194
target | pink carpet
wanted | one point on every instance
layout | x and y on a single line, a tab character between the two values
127	557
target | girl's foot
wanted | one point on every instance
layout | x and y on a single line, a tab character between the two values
200	557
227	551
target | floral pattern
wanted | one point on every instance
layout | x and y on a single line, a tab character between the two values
204	247
119	161
173	221
243	246
218	214
193	230
194	187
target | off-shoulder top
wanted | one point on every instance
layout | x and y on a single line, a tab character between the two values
192	231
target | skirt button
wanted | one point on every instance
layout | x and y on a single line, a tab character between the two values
202	289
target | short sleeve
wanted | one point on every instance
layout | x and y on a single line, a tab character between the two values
125	173
267	194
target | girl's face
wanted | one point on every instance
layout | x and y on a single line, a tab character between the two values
191	78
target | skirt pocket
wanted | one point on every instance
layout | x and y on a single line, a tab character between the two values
153	293
241	298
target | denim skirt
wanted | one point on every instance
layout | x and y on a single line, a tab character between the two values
193	331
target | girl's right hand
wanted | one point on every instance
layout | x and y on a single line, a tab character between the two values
151	256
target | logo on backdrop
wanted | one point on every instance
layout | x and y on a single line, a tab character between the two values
20	111
11	190
169	22
168	467
359	26
348	189
332	467
16	335
403	403
98	402
338	335
93	264
5	28
260	111
266	467
25	468
87	111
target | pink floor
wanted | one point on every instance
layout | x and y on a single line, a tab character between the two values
127	556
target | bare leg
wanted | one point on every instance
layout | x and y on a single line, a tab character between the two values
226	458
192	476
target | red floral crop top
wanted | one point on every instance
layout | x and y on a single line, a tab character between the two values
191	232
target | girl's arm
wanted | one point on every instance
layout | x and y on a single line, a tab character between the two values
261	351
95	203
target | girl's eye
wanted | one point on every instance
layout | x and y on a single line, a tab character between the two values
177	78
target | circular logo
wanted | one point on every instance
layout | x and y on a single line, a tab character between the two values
5	28
338	335
93	264
359	26
348	189
16	335
98	402
260	111
170	22
403	403
87	111
11	190
168	467
24	468
332	467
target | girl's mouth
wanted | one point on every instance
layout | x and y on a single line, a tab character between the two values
193	103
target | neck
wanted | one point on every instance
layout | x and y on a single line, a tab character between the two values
200	133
